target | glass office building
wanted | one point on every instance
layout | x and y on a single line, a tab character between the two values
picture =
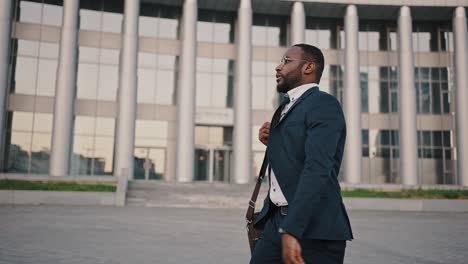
177	90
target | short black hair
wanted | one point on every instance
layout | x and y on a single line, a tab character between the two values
315	55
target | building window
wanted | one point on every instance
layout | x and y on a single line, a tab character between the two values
157	78
432	90
269	30
45	12
151	139
388	96
93	146
215	26
436	159
365	142
35	68
264	95
158	21
98	74
336	81
214	83
321	33
434	144
28	141
387	144
101	15
432	37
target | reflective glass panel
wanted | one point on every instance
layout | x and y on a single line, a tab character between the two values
112	22
46	77
52	15
25	75
40	153
30	12
103	155
90	20
42	123
146	85
28	47
22	121
87	81
108	83
165	87
18	157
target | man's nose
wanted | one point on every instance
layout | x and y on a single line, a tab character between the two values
279	67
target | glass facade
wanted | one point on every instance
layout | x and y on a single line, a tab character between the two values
35	68
432	90
436	161
336	81
322	33
157	78
93	146
101	15
215	83
34	62
157	21
215	26
28	141
432	37
151	139
264	92
269	30
387	94
98	74
44	12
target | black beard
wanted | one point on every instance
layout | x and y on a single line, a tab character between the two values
288	84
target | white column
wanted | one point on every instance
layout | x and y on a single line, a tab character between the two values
352	98
461	114
65	90
297	23
407	100
242	141
5	32
127	93
186	94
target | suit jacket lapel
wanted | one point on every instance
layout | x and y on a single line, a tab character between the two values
303	96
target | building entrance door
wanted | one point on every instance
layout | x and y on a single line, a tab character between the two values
212	163
149	163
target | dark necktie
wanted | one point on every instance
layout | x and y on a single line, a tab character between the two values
277	115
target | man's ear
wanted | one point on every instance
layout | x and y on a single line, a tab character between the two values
309	68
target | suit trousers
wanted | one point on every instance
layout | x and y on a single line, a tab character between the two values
314	251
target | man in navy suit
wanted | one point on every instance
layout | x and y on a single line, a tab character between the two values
303	216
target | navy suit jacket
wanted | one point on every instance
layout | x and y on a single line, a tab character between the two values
305	151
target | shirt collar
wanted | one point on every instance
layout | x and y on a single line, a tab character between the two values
297	92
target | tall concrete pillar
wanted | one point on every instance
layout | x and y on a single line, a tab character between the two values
297	23
65	90
127	93
5	33
352	98
407	100
186	94
242	141
461	84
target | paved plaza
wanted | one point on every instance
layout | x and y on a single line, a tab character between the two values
79	234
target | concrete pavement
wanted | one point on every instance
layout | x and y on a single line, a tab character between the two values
89	234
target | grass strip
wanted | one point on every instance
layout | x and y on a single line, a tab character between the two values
7	184
408	194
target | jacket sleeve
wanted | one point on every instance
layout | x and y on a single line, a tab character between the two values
324	126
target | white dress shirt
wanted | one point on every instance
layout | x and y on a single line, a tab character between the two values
276	195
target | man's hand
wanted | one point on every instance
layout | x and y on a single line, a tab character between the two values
263	133
291	250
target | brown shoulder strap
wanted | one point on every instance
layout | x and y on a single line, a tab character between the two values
253	199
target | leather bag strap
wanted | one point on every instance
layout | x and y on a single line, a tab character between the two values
251	209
